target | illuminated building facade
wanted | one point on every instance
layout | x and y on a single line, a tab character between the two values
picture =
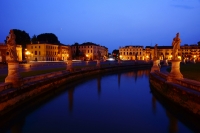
164	52
188	52
131	53
47	52
89	51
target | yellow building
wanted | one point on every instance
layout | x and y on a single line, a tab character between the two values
47	52
64	52
164	52
131	53
188	52
3	52
89	51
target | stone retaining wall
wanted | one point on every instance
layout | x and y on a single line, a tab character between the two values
183	92
32	87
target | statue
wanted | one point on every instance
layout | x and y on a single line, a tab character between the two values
156	51
11	46
176	46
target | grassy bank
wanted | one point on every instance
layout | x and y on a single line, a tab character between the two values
33	73
38	72
190	71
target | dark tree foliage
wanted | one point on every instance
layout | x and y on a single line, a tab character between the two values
198	43
34	39
47	38
22	38
115	54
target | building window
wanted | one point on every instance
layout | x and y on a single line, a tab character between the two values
39	46
39	52
35	46
91	51
31	47
35	52
91	46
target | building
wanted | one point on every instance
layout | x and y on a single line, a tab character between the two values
131	53
188	52
3	52
47	52
89	51
164	52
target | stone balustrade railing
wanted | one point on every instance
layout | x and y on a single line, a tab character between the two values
192	84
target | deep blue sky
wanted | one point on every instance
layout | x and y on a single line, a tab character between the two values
111	23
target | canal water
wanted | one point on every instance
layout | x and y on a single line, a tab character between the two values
112	103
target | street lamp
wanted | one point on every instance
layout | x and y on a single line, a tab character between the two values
27	54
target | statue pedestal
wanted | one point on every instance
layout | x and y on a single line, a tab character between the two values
175	71
155	66
69	65
13	74
98	63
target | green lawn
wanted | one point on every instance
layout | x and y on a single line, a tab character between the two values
33	73
190	71
38	72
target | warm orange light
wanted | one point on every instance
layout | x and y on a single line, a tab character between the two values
27	53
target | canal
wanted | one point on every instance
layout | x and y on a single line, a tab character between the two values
112	103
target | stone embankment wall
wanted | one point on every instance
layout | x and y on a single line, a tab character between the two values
32	87
183	92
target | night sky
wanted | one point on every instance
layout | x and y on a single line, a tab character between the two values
111	23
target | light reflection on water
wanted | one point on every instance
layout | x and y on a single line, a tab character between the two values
120	102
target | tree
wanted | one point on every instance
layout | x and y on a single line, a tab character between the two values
22	38
115	54
47	38
34	39
198	43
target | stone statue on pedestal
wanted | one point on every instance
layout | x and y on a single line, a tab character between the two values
156	62
175	67
176	46
13	65
11	46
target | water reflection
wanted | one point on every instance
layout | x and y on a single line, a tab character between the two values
173	123
154	104
175	114
119	79
99	84
125	106
70	98
18	127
